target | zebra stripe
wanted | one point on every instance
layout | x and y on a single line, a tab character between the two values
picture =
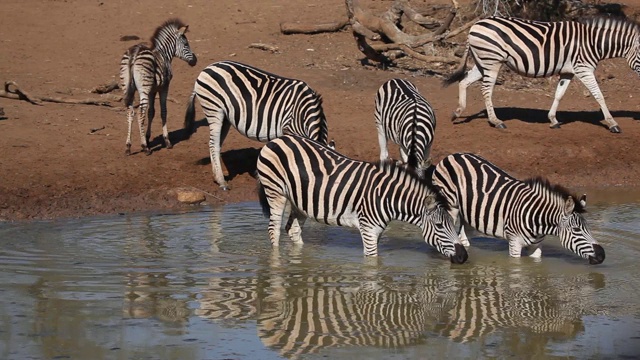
522	212
406	118
260	105
543	49
308	179
148	70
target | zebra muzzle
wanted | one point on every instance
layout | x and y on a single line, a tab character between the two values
461	256
598	257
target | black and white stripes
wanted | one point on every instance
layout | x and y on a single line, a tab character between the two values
148	70
406	118
308	179
260	105
522	212
543	49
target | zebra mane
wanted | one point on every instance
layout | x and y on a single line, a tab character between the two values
171	25
610	22
392	167
539	182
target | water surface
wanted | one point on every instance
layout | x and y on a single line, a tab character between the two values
208	285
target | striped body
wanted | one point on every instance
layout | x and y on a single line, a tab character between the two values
522	212
147	70
407	119
260	105
543	49
314	181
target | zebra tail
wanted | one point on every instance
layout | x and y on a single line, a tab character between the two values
190	117
412	160
262	195
130	85
460	72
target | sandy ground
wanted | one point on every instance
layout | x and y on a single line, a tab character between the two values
51	166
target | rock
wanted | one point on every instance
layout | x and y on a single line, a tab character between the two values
190	196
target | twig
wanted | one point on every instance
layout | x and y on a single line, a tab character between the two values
266	47
17	93
94	130
204	192
105	88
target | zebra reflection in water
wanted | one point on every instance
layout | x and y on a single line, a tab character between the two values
304	310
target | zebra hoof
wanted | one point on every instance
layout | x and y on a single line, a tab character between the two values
501	126
147	151
615	129
169	146
225	187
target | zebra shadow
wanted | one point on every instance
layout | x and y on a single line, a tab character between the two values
539	116
237	162
175	136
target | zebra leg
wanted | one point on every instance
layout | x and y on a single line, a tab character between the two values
535	251
488	83
455	212
278	204
563	84
164	92
382	140
515	248
130	115
151	113
472	76
370	236
142	114
294	226
589	80
216	130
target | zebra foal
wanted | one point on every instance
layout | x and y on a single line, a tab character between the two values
406	118
260	105
522	212
148	70
308	179
542	49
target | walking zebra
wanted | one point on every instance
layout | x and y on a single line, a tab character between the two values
148	70
311	180
260	105
522	212
543	49
406	118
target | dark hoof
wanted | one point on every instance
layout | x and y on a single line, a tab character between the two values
615	129
127	152
501	126
147	151
556	126
169	146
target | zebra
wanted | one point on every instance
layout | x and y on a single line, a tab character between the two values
406	118
522	212
260	105
309	179
148	70
543	49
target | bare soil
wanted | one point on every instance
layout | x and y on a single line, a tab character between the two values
51	165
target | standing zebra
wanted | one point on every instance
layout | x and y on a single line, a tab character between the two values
260	105
543	49
522	212
148	70
308	179
406	118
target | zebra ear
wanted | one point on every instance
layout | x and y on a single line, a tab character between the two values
569	205
183	30
583	200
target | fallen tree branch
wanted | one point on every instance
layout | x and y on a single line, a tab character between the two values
266	47
19	94
296	28
105	88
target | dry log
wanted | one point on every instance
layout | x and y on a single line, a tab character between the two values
296	28
13	91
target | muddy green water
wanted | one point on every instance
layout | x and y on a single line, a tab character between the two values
207	285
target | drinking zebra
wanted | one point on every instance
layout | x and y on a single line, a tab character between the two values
260	105
308	179
522	212
148	70
543	49
406	118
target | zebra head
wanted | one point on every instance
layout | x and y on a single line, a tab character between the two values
183	50
574	232
439	231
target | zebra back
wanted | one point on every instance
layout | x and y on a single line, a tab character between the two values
259	104
405	117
